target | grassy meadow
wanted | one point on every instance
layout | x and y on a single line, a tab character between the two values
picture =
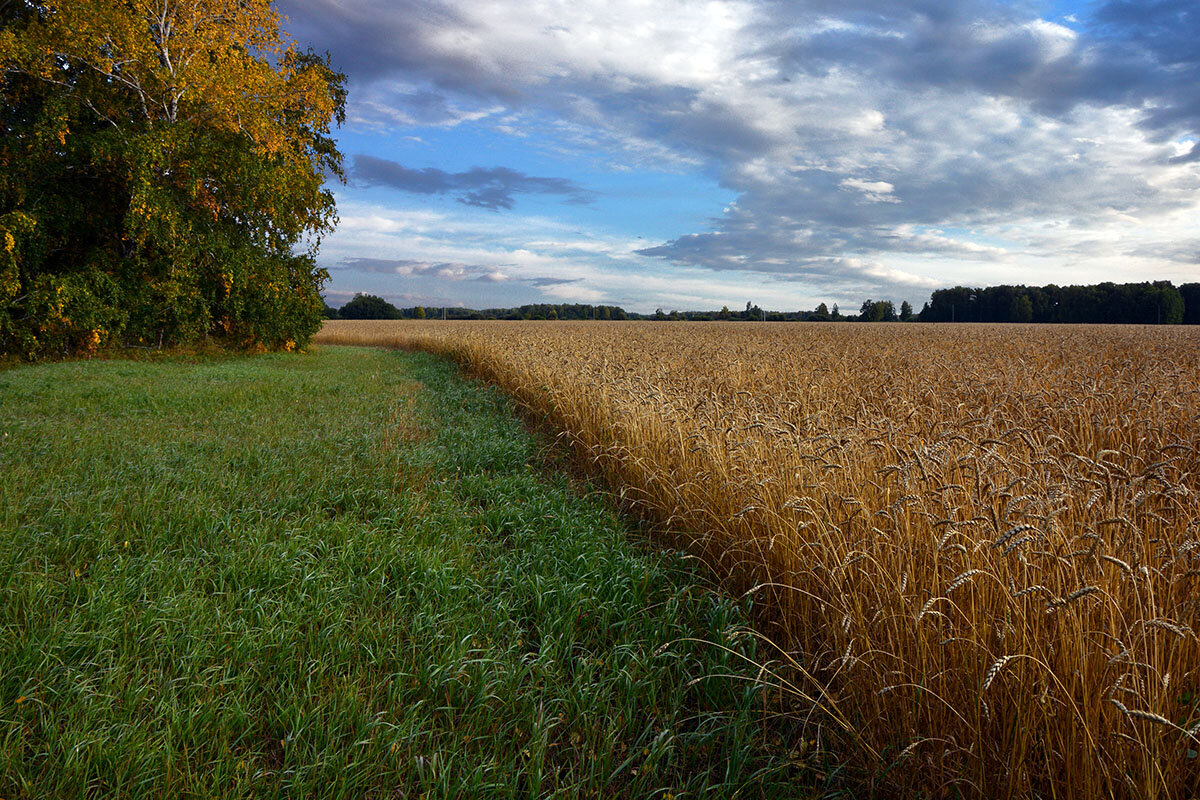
977	547
346	574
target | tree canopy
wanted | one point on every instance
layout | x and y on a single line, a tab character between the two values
1129	303
878	311
162	175
369	306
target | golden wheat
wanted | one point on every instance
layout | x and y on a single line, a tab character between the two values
917	508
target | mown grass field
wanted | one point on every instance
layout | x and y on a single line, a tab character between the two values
979	544
344	574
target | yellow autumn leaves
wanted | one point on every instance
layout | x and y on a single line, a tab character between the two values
208	62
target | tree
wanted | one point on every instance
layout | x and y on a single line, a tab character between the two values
1129	303
368	306
162	174
835	314
1168	304
1022	309
821	314
959	304
877	311
1190	294
724	313
906	311
419	312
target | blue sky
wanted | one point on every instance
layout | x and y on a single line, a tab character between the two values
696	153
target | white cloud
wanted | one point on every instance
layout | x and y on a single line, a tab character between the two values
875	191
873	144
564	264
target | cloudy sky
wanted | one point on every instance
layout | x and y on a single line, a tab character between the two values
693	153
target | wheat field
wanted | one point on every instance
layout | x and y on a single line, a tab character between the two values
977	548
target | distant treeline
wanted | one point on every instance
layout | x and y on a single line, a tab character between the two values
1127	303
1158	303
367	306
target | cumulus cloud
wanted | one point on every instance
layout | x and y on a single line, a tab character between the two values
875	191
859	136
446	271
391	252
490	188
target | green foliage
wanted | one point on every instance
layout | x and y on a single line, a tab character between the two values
1190	294
1157	303
132	222
542	311
369	306
878	311
1139	303
1022	309
343	576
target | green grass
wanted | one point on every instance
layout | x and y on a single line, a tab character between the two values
344	574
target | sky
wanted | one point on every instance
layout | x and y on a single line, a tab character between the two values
689	154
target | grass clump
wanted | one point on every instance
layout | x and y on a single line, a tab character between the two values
340	575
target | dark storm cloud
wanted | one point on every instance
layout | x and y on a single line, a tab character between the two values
491	188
